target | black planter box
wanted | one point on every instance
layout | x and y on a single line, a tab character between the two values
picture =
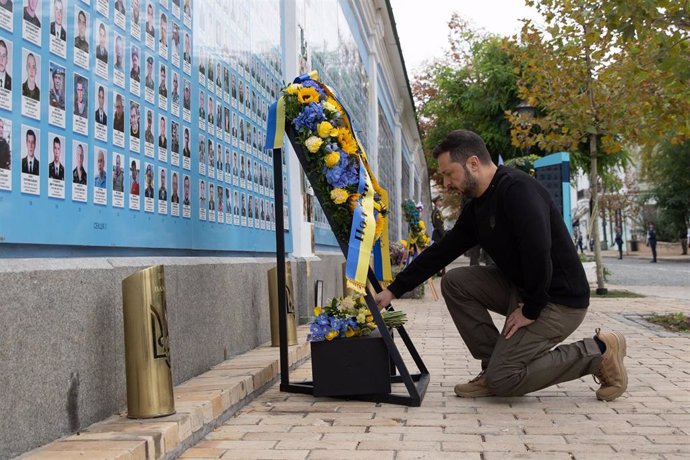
354	366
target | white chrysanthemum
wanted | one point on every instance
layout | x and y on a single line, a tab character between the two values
347	303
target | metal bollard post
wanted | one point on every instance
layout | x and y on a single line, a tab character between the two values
290	301
147	350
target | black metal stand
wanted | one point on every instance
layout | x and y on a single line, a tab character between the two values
415	384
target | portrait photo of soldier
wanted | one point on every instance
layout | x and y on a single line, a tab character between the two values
150	26
57	86
101	117
56	170
57	28
102	47
187	96
32	12
148	133
5	65
186	152
79	175
30	87
5	149
134	128
149	83
135	70
119	53
136	13
81	39
119	115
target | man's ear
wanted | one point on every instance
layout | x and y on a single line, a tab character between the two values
473	163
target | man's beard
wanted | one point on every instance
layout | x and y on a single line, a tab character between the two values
468	189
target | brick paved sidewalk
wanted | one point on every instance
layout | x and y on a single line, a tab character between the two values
651	420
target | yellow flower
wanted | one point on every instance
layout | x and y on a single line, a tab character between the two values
422	225
331	335
361	318
332	159
347	141
317	310
293	88
307	95
324	129
371	326
403	243
349	332
370	318
379	227
339	195
313	144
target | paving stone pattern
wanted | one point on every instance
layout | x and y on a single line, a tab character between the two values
651	420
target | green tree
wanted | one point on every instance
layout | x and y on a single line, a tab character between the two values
657	35
581	74
470	89
670	180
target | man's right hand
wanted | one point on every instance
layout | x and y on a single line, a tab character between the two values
383	299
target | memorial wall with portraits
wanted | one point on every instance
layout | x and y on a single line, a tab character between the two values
138	123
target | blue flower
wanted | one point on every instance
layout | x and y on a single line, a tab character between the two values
322	320
310	116
345	173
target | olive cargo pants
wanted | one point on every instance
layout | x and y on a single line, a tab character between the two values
527	361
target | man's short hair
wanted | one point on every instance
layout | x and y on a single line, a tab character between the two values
30	132
461	144
56	140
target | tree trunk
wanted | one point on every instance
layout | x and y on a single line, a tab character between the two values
593	183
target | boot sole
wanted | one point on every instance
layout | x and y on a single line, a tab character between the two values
476	394
622	353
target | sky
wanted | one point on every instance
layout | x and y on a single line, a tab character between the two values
423	25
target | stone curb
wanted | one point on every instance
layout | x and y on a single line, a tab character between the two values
202	404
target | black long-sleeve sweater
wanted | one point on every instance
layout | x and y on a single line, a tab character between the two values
517	223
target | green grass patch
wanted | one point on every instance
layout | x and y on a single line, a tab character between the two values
676	322
618	294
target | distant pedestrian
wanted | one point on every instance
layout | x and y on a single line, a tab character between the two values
651	241
591	243
619	243
580	245
684	241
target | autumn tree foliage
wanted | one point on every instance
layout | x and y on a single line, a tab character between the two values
600	83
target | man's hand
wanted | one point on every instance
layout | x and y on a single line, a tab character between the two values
383	298
515	321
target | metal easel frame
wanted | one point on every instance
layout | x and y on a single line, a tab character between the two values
416	384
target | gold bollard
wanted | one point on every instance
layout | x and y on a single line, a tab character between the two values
289	300
147	349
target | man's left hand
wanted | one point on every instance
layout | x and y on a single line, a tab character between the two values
515	321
